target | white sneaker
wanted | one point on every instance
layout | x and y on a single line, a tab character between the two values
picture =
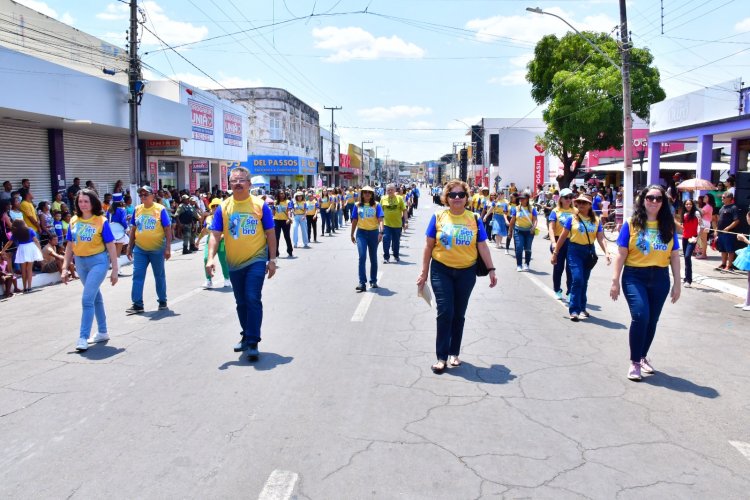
519	269
746	308
506	252
208	284
525	267
741	305
227	284
82	345
100	337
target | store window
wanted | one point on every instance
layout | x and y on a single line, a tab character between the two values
276	126
167	174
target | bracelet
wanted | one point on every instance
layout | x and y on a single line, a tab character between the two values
490	269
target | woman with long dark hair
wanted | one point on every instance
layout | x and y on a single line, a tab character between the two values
556	225
283	220
28	250
367	233
690	227
647	245
90	239
523	219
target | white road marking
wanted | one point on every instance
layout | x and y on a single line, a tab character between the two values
364	303
743	448
547	290
279	486
185	296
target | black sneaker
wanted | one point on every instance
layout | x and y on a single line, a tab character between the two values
252	353
398	260
374	285
361	288
134	309
386	261
241	346
163	306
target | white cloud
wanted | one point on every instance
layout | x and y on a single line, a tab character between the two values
356	43
171	31
381	114
203	82
522	60
531	27
516	77
47	10
743	25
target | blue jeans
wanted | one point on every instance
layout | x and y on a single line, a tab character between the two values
247	284
325	221
334	219
141	261
92	269
452	289
391	239
577	256
645	289
688	249
300	223
557	269
523	243
340	217
367	242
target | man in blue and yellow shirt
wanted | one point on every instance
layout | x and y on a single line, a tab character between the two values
150	243
248	227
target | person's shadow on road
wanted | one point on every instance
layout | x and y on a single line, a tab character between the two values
266	361
605	323
495	374
661	379
99	352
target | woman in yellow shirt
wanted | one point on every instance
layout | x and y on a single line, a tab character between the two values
299	208
91	241
555	222
523	220
582	229
282	221
455	239
367	221
647	245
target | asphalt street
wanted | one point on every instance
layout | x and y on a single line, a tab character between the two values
342	403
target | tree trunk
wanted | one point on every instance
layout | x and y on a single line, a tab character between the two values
568	174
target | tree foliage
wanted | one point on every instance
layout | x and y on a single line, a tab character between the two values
583	94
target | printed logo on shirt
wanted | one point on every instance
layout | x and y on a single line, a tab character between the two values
455	234
242	225
366	212
648	240
84	232
145	223
586	227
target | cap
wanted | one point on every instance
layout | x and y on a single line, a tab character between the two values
147	188
215	202
117	197
583	197
485	188
184	197
566	192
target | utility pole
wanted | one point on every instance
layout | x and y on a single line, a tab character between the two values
627	116
134	81
333	144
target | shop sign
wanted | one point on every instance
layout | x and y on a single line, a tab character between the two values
200	166
281	165
232	129
223	182
538	171
163	147
202	116
152	174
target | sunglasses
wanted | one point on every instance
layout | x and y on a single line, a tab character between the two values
654	198
568	197
460	194
144	194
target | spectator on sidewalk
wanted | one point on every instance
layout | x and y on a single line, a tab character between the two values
29	212
58	205
187	215
690	226
729	221
707	212
5	194
15	208
742	262
28	251
52	259
73	191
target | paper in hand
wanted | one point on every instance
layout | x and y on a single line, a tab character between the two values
426	294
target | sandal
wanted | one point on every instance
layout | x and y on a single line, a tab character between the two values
454	361
438	367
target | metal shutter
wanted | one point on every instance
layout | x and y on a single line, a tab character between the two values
24	153
101	158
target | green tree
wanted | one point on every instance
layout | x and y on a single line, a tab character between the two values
583	93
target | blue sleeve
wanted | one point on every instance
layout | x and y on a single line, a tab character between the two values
432	228
267	218
600	229
534	212
676	242
568	223
553	217
32	234
355	212
623	240
379	212
481	232
217	221
107	236
165	220
69	236
513	212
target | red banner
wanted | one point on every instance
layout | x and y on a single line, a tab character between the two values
193	180
538	171
153	175
223	172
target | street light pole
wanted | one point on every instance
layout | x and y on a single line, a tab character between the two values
377	169
627	119
362	155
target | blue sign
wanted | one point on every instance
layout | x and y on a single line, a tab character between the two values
281	165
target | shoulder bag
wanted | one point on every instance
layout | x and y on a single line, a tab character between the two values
592	258
481	267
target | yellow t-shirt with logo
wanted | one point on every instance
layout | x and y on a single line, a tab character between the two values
349	197
149	226
310	207
244	225
281	209
582	231
524	216
393	208
645	248
88	236
298	208
325	202
456	238
559	216
367	216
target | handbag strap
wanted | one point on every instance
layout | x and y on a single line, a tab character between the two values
584	227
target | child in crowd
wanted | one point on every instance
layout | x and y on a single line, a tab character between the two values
57	224
7	279
28	250
742	262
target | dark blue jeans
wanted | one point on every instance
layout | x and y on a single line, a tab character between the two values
367	243
577	256
645	289
247	284
523	244
325	221
688	249
452	289
141	260
557	269
391	238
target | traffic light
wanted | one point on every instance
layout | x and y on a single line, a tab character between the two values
463	163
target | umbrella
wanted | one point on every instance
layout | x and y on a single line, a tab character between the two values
695	185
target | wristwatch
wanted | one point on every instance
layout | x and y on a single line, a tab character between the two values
272	261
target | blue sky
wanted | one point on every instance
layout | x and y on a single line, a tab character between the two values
407	65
